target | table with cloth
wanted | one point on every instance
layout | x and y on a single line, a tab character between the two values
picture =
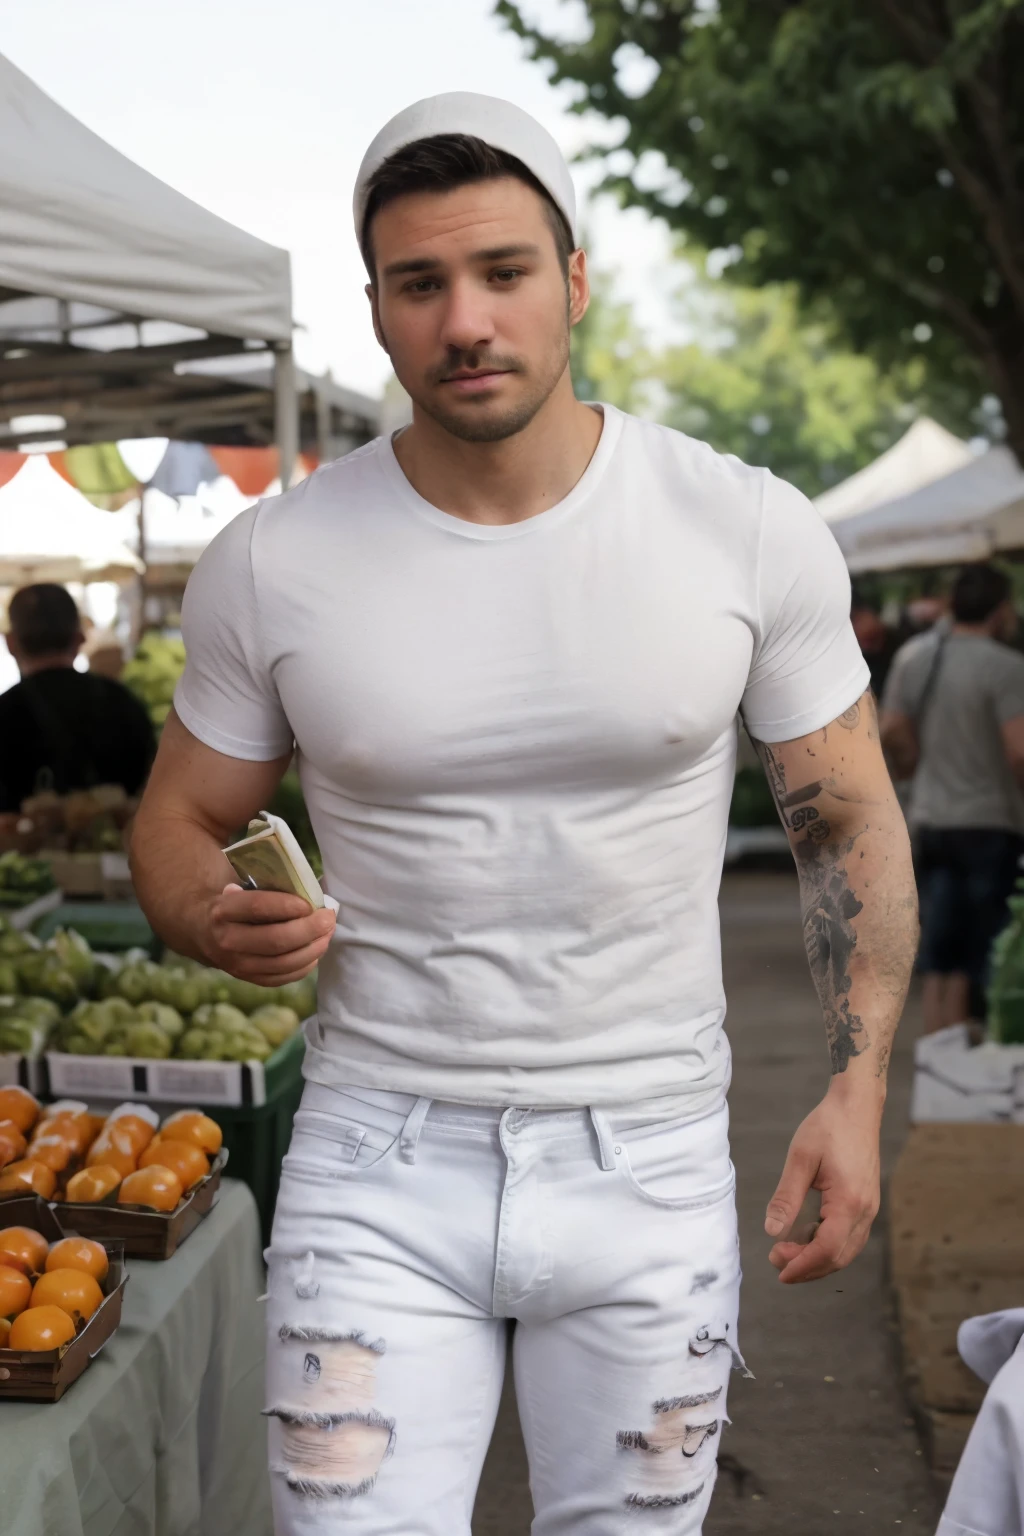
163	1432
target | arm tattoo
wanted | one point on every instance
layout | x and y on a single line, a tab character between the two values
828	907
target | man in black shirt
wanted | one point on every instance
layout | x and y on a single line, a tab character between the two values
61	729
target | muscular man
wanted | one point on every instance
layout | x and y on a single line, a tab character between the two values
510	646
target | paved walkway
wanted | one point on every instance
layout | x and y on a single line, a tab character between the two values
820	1441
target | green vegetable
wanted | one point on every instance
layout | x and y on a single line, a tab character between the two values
275	1023
43	975
43	1010
20	1035
13	943
300	995
148	1040
75	956
168	1019
132	983
8	977
221	1017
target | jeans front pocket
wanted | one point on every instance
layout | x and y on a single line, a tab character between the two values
328	1147
678	1165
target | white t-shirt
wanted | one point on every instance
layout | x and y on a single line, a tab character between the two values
517	746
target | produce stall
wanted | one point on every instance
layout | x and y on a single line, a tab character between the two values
163	1431
105	1029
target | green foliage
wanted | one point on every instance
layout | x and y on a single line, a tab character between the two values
869	151
611	360
760	381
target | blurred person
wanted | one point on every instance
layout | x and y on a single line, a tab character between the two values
510	643
953	717
62	729
877	642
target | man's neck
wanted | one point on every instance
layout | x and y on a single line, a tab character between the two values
983	630
33	664
507	481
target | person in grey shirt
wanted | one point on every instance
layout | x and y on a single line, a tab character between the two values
953	716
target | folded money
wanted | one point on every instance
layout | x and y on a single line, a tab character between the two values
270	859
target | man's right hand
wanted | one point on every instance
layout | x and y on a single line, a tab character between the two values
266	936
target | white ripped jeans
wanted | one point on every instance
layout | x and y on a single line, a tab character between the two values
407	1232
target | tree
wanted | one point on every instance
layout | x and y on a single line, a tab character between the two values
611	359
755	380
775	389
869	151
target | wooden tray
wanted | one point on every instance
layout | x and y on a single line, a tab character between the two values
44	1375
146	1234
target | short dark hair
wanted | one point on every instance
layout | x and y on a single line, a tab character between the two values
440	164
977	593
44	619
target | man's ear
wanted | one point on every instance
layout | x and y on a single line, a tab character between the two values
579	287
371	294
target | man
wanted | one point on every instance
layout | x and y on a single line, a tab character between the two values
510	647
62	729
953	715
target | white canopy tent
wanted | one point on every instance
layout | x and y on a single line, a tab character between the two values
925	453
971	514
49	532
91	248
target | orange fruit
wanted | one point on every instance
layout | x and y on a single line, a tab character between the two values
55	1151
41	1328
75	1292
12	1142
79	1253
137	1131
194	1127
159	1188
28	1177
23	1249
75	1127
186	1161
114	1149
17	1104
92	1185
5	1331
15	1291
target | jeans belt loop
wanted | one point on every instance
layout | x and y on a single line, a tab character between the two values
605	1139
409	1139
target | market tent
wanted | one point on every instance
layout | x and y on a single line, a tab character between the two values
923	454
91	248
973	513
49	532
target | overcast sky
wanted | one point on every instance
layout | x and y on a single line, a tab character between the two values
261	109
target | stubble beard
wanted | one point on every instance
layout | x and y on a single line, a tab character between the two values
470	427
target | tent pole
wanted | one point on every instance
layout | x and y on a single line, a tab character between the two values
286	411
141	617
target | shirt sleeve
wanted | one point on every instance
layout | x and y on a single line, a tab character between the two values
1008	692
226	695
807	667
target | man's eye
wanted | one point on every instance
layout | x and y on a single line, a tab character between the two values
421	285
507	274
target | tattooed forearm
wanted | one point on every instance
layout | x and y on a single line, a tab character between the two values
828	904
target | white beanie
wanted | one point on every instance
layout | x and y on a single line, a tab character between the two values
499	123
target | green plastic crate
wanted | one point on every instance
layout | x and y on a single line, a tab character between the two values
105	925
257	1137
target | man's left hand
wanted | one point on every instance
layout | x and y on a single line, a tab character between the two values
835	1150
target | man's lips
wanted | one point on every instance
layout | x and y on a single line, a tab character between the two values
473	383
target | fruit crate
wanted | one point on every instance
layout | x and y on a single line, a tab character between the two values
105	925
45	1375
173	1080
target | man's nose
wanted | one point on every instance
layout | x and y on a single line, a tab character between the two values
468	322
